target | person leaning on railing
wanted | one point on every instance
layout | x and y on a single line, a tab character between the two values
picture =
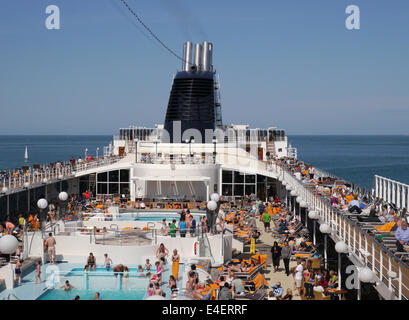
402	236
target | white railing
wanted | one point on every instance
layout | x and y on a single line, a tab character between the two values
19	179
391	191
364	247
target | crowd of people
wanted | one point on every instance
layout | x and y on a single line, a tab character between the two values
386	219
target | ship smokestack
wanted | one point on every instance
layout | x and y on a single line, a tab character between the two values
192	100
184	56
198	56
205	56
210	56
187	48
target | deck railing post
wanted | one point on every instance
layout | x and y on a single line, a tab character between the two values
389	270
400	282
398	197
384	189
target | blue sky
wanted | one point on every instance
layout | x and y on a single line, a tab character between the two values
290	64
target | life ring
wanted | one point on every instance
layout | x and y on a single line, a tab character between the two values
195	247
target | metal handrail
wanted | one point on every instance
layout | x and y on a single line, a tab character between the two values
326	202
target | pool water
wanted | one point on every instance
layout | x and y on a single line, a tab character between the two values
133	287
129	294
152	217
100	271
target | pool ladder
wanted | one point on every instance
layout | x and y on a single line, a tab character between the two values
11	295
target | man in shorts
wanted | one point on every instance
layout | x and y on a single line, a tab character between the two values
266	219
50	243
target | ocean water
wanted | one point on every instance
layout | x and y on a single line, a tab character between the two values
47	148
354	158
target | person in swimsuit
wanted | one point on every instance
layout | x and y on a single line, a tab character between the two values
157	277
175	264
17	271
151	290
158	289
50	244
163	228
118	268
91	262
162	251
172	285
148	266
126	272
67	286
107	262
38	271
140	270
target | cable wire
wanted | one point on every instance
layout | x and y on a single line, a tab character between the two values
151	32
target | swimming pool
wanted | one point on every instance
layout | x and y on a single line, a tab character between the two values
100	271
146	216
130	294
150	216
110	287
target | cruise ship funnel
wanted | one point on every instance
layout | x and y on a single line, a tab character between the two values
192	98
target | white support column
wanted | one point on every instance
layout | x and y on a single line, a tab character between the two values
325	251
219	189
393	193
376	186
398	195
384	189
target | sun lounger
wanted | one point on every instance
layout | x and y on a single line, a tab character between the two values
249	275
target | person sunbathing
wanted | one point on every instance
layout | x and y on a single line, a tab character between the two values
191	282
220	281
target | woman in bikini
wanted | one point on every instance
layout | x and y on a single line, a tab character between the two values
157	277
38	271
151	289
91	262
162	252
172	284
158	290
17	271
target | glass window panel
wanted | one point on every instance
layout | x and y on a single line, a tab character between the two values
238	178
113	188
250	178
227	176
124	188
261	178
124	175
250	189
102	177
238	190
227	189
102	188
114	176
